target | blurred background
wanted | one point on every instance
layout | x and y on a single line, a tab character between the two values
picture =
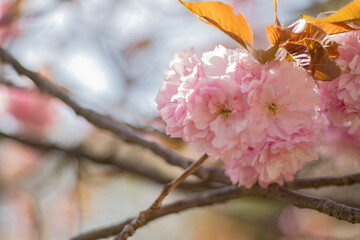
111	56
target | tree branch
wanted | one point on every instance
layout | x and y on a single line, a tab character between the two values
326	206
143	216
113	160
105	122
195	200
318	182
129	135
143	171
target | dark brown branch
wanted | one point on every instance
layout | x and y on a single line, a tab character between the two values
318	182
326	206
143	216
195	200
129	135
121	164
112	160
132	136
121	130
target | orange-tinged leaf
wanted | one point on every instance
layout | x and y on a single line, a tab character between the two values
300	54
331	47
312	56
277	35
333	28
322	67
309	31
348	13
222	17
295	32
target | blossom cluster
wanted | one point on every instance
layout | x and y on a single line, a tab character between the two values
263	120
340	98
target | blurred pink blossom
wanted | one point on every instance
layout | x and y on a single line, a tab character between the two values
307	224
341	97
342	147
8	20
33	109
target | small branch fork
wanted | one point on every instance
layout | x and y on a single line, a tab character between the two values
130	228
209	175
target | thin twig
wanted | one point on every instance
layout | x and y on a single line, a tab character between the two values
105	122
130	228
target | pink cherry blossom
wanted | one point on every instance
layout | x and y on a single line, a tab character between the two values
171	99
202	102
342	148
218	117
238	172
283	103
273	162
341	97
262	120
285	127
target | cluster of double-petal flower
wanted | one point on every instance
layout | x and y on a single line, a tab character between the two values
340	98
262	120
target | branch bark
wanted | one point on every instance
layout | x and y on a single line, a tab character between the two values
202	199
143	216
105	122
131	136
143	171
318	182
112	160
326	206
